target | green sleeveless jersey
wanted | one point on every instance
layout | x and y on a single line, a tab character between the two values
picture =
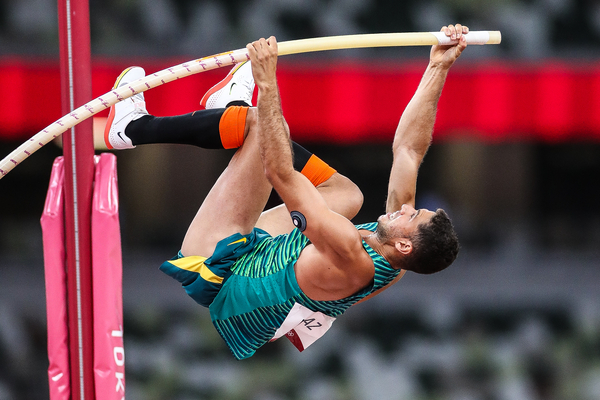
257	297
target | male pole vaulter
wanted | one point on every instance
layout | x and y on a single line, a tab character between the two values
293	269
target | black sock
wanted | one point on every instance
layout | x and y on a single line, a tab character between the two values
200	128
316	170
301	156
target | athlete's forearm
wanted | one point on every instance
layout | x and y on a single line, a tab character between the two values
416	124
274	140
415	128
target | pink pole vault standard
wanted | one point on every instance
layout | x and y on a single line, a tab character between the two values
107	282
53	234
76	89
109	353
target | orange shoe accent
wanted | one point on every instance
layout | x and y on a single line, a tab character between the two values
109	121
111	112
317	171
219	85
232	126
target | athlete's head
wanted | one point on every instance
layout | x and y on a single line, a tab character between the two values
424	241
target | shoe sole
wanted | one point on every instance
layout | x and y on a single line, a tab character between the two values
220	85
111	112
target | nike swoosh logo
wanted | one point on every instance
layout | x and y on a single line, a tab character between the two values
242	240
121	137
231	87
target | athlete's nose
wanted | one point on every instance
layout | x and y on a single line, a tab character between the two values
406	209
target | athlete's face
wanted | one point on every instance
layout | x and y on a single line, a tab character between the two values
403	222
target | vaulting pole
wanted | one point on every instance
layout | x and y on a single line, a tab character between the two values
76	89
104	102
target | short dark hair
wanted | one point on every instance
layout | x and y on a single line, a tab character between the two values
435	245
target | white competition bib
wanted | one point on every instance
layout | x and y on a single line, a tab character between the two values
303	326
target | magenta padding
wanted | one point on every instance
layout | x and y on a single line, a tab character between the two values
53	235
107	276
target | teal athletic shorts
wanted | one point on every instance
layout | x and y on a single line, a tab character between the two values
202	277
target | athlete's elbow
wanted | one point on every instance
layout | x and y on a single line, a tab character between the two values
416	149
348	198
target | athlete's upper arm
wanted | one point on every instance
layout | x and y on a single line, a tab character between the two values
402	186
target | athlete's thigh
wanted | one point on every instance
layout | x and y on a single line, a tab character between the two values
234	203
340	193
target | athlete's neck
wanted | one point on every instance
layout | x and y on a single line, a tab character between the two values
372	239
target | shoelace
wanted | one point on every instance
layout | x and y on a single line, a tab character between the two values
137	98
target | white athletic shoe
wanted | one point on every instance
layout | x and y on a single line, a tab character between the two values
237	85
125	111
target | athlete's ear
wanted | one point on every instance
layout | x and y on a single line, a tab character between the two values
404	246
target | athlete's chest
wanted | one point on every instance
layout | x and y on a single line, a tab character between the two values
321	279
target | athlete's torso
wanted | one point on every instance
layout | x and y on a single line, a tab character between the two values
337	275
262	289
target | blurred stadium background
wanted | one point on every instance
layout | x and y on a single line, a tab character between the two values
515	161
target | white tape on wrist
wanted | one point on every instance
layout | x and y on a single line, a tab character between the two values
473	37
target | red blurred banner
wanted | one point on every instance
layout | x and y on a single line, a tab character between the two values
350	102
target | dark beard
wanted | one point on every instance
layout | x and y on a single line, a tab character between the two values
382	233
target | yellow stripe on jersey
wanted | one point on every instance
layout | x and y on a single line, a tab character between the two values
196	264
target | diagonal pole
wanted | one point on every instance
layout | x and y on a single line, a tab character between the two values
76	89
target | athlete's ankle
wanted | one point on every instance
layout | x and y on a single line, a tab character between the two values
136	129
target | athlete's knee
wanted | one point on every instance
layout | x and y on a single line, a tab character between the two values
347	196
354	196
